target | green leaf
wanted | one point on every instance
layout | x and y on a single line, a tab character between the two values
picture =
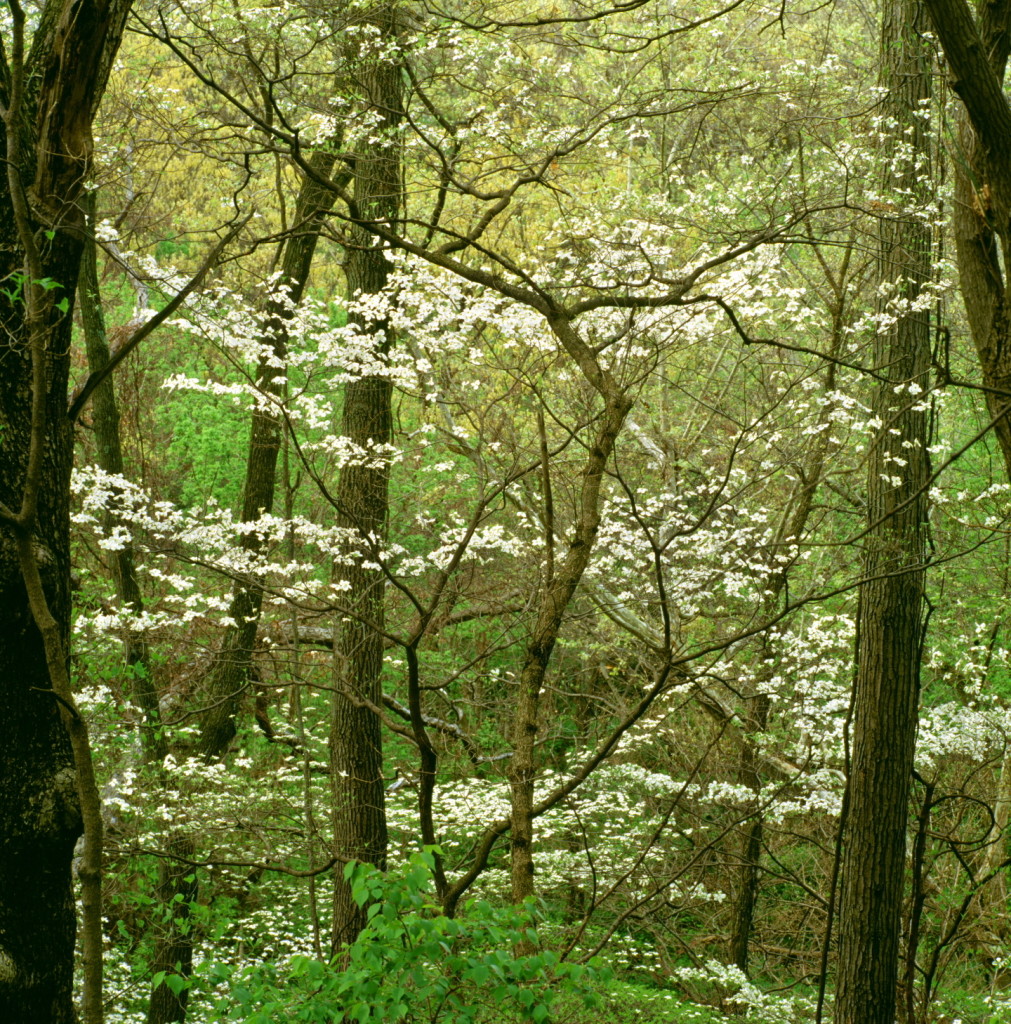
479	974
176	983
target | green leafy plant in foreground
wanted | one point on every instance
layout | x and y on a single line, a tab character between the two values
411	963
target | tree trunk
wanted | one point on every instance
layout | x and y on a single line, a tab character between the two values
756	719
749	774
177	892
978	54
229	676
356	751
890	615
558	592
47	102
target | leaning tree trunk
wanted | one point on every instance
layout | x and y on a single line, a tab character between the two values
890	615
356	750
47	102
558	592
109	454
229	675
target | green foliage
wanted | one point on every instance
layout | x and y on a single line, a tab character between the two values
412	963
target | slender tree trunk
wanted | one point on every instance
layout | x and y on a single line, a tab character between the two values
105	417
756	721
356	752
558	592
890	615
746	893
229	677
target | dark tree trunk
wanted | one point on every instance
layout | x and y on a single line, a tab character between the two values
979	238
891	599
356	746
746	892
48	101
177	892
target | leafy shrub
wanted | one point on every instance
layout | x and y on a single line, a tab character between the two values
411	963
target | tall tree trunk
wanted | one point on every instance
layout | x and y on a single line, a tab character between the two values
890	615
47	102
356	751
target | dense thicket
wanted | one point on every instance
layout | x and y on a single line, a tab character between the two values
539	541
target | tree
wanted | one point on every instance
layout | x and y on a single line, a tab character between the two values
891	609
362	502
977	57
49	96
536	628
110	457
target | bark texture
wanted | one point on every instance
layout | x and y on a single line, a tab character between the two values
891	598
47	101
356	752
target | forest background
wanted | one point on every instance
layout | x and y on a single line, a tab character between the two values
537	544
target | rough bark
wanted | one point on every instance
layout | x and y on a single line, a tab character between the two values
890	615
356	753
47	102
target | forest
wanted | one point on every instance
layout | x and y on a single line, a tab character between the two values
505	511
